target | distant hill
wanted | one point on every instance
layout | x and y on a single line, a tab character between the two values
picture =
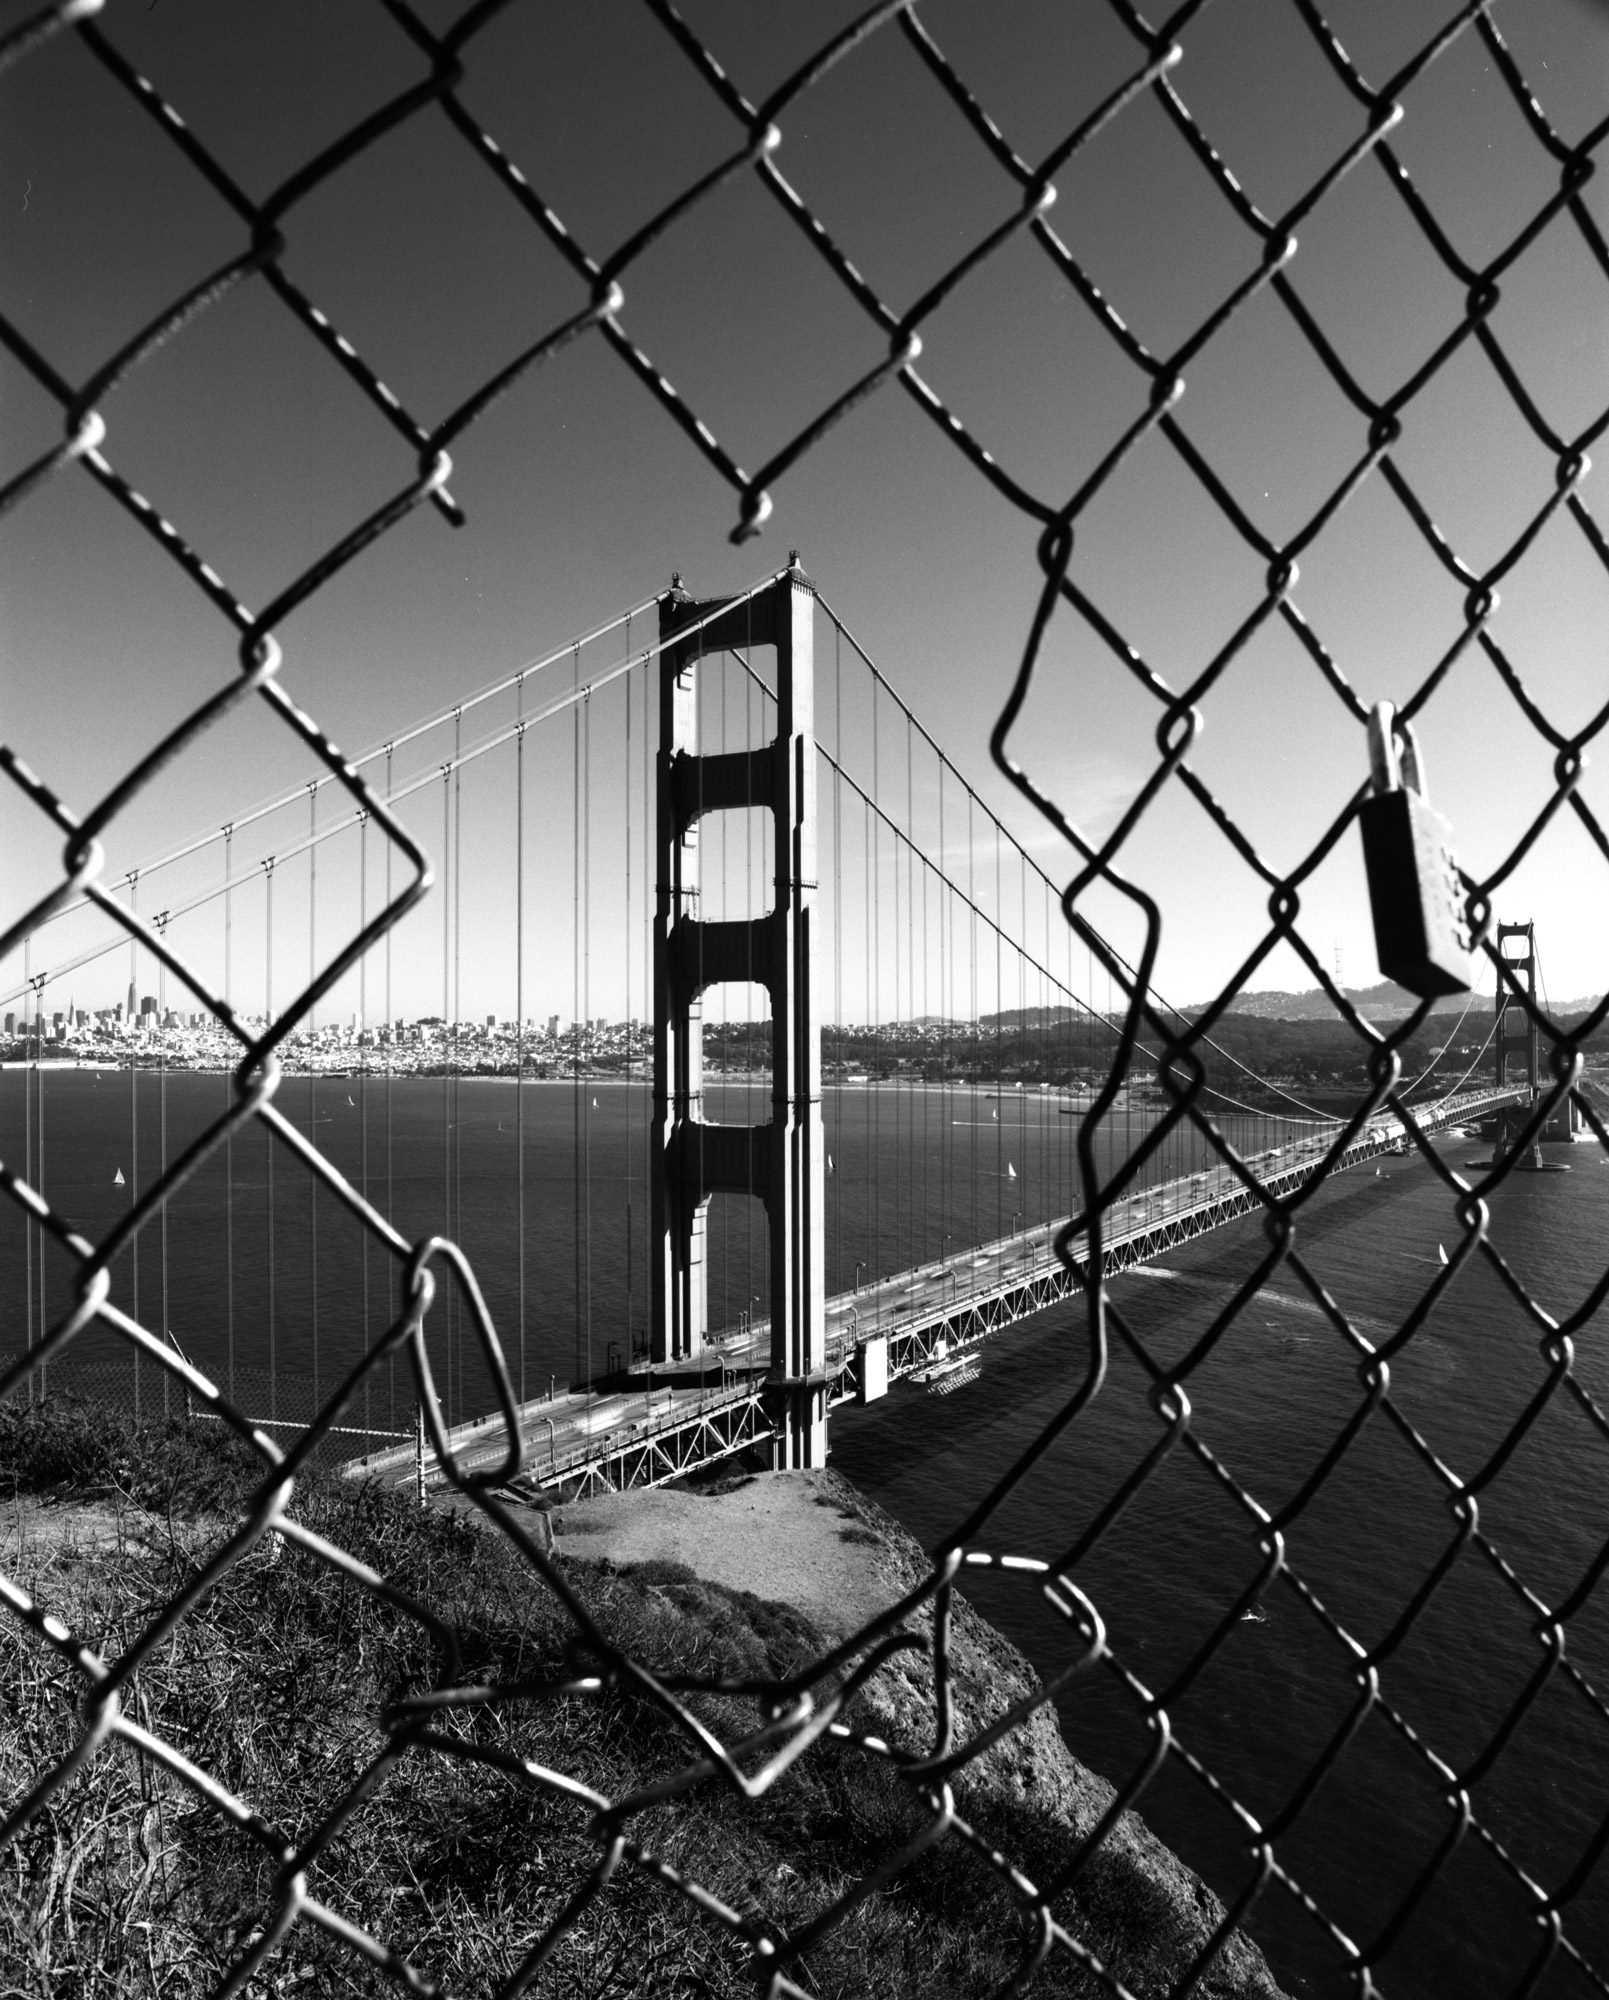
1385	1002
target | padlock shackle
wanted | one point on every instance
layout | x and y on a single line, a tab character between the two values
1395	759
1413	763
1384	767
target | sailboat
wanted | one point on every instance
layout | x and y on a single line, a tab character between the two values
829	1163
1011	1171
117	1179
349	1100
1441	1253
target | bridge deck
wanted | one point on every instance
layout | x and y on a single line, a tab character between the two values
685	1418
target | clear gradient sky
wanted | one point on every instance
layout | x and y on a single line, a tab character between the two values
582	496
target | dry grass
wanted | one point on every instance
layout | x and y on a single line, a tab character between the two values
129	1884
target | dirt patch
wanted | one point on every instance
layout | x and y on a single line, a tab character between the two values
788	1536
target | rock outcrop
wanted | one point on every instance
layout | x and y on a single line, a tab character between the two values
1135	1905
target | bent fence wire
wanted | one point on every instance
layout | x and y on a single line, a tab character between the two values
1554	1893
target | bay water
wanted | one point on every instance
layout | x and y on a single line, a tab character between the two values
261	1279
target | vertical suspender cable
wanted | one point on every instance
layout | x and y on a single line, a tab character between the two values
977	1037
918	1076
748	906
692	905
162	1137
746	1041
363	1100
901	1094
446	1067
583	1360
268	1137
946	1128
40	1184
629	1334
38	1167
875	975
134	1114
752	704
869	1114
838	926
29	1227
999	1032
311	1033
894	1024
1025	1040
1053	1074
648	900
926	1208
390	1072
718	667
1062	1078
1128	1114
229	1088
586	998
519	1020
1097	1036
455	1314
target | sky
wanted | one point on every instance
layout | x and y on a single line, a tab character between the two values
582	496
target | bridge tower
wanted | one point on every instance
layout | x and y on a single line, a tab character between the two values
1516	1038
1517	1043
782	1161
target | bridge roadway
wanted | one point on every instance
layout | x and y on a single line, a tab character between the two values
667	1422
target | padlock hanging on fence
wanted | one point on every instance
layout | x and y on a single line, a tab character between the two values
1421	933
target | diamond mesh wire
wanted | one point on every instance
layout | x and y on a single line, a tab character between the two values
794	1713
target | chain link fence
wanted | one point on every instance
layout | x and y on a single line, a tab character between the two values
300	1894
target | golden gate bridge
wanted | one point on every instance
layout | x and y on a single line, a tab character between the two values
747	848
